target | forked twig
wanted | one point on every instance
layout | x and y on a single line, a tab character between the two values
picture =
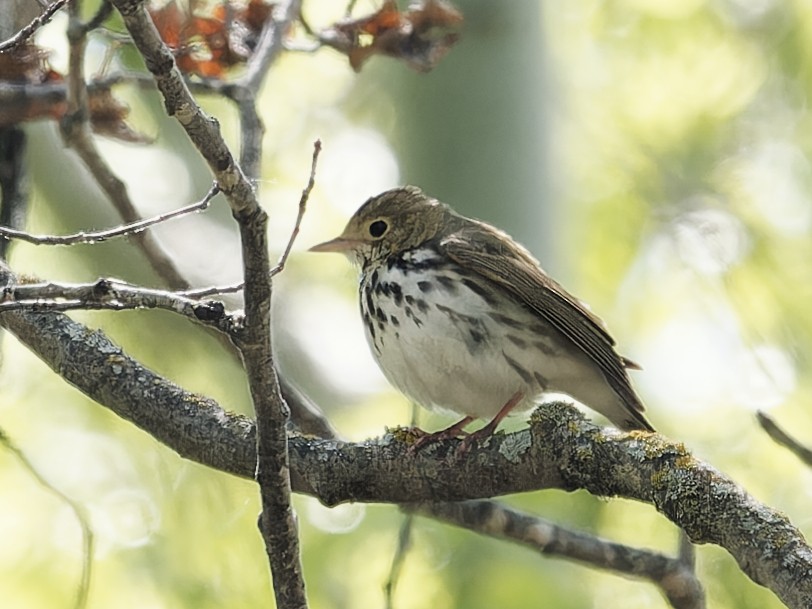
311	182
280	265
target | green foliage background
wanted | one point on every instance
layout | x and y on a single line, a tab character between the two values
654	155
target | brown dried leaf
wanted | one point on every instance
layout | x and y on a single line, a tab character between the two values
420	36
169	21
209	44
256	14
27	64
107	117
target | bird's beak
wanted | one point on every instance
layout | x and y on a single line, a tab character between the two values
340	245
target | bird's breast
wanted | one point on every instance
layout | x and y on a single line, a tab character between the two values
448	339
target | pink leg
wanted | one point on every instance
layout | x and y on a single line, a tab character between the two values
488	430
455	431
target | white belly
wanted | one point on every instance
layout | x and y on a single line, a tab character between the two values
437	342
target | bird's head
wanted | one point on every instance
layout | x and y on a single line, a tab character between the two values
393	221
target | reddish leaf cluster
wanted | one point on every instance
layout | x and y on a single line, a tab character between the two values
108	114
27	64
420	36
209	44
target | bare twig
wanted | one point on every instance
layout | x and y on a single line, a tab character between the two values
104	235
78	511
783	438
112	294
677	582
29	30
280	265
402	549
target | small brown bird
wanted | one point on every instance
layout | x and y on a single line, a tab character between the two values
461	317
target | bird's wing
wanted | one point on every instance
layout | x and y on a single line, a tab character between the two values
492	254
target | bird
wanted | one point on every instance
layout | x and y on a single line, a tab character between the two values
462	318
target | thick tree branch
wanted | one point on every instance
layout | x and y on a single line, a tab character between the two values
559	450
115	295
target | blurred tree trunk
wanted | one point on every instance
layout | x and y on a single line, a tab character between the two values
454	137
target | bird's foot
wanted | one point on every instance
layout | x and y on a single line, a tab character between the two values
424	438
486	432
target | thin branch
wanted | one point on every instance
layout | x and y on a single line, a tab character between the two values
104	235
115	295
251	129
280	265
244	90
269	46
29	30
78	511
202	130
77	133
783	438
402	549
676	581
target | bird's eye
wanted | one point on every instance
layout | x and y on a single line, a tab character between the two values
378	228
